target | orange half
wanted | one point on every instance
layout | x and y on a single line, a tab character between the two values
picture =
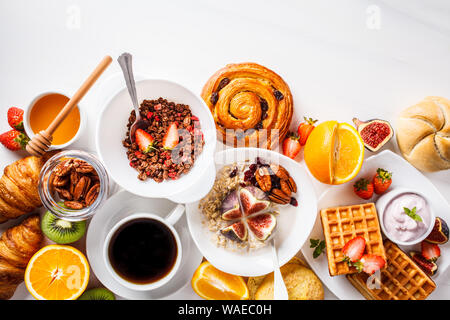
334	152
57	272
349	154
213	284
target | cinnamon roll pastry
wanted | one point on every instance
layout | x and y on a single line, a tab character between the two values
251	105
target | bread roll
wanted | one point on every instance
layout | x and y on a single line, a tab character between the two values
423	134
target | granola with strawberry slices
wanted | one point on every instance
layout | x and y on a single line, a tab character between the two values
169	146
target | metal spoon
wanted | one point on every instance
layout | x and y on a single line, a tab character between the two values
125	62
279	288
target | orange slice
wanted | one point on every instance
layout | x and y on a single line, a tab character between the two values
334	152
213	284
57	272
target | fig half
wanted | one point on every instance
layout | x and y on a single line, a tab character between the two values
440	232
374	133
236	232
230	206
253	200
262	225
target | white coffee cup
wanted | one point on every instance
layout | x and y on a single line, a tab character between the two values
168	221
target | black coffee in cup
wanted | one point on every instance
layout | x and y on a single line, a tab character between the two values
143	251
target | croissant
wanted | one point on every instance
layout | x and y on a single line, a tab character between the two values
19	187
17	245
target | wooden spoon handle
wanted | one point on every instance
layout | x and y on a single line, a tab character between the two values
78	95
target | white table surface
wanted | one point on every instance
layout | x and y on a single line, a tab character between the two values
342	59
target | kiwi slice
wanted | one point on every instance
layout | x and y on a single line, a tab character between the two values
62	231
97	294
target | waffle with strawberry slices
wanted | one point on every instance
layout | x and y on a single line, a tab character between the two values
402	279
342	224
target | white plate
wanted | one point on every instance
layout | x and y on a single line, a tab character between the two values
293	224
116	208
111	130
404	175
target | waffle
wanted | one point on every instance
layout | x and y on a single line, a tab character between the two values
341	224
401	280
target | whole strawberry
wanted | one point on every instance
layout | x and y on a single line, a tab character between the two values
15	118
14	140
382	180
363	188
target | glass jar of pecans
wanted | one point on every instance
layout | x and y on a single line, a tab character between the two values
73	184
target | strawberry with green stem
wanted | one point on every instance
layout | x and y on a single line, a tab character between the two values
14	140
305	129
363	188
382	181
15	118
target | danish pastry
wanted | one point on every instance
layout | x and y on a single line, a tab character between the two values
251	105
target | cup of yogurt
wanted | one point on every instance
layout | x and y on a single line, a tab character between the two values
406	216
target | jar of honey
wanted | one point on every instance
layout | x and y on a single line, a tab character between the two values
41	112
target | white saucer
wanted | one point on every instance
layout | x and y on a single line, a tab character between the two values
116	208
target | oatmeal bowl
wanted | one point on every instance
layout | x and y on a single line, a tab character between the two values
170	156
257	195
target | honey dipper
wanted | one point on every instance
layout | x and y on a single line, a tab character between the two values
43	140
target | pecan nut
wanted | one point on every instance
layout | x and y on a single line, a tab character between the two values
60	181
80	189
63	168
63	193
84	167
74	205
262	176
74	177
279	171
92	194
278	196
292	185
285	187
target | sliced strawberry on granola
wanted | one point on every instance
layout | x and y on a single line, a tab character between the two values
144	140
171	138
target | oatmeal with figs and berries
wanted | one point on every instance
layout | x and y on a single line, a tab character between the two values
169	145
242	206
76	183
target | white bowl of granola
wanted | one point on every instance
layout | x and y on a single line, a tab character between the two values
190	185
250	254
